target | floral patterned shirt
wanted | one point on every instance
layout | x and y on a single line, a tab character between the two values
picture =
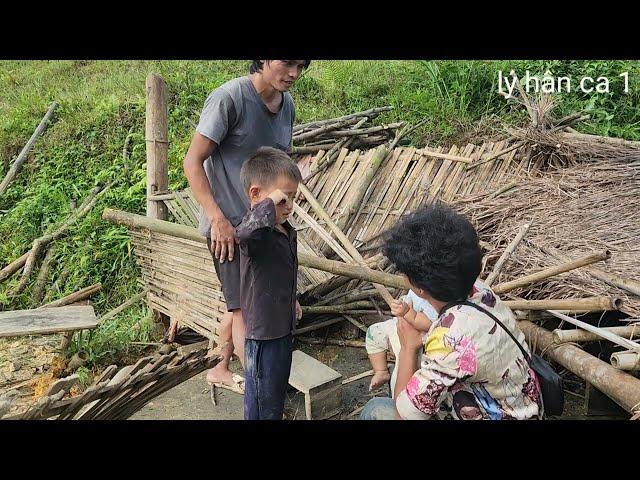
471	369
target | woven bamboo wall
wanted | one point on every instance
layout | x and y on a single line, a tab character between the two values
180	275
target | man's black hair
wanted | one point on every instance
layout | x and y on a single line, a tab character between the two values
266	165
256	65
438	250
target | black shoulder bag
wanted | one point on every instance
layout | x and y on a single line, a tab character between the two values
550	382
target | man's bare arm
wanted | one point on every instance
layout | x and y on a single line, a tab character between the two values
222	234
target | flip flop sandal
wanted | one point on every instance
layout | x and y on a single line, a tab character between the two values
237	387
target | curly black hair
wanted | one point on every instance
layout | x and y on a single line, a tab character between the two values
438	250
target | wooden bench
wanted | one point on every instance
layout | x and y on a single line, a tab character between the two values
42	321
321	385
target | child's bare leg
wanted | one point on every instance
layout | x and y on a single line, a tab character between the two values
238	333
221	373
377	345
381	373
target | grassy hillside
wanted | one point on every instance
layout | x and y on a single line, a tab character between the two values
102	104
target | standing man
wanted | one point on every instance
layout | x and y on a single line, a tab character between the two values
238	117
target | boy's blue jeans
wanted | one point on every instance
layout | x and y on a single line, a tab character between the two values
267	365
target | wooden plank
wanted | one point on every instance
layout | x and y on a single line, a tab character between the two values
47	320
307	373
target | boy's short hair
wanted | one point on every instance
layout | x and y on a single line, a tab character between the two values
266	165
438	249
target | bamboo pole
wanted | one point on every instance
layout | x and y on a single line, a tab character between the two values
551	271
324	129
44	240
359	376
578	335
330	341
124	306
320	309
348	296
589	304
365	131
78	296
43	275
376	160
629	360
628	284
508	251
621	387
612	337
371	113
344	240
355	322
311	148
318	325
444	156
14	266
156	132
133	221
22	157
496	155
308	219
618	142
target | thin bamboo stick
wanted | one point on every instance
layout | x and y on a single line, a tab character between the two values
507	252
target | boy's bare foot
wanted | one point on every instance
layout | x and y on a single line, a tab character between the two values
380	377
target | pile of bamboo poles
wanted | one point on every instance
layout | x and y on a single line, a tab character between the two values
352	131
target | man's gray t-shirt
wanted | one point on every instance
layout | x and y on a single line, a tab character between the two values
235	117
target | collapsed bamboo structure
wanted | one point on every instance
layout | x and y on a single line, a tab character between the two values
535	193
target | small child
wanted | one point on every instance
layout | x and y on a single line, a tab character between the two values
383	336
268	280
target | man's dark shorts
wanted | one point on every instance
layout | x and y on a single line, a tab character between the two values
229	276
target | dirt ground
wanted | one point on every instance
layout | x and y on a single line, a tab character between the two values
191	399
26	365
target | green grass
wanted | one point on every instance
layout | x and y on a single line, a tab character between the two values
103	102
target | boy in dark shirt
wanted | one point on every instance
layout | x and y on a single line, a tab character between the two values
268	280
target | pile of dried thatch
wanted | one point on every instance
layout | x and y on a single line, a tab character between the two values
573	212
